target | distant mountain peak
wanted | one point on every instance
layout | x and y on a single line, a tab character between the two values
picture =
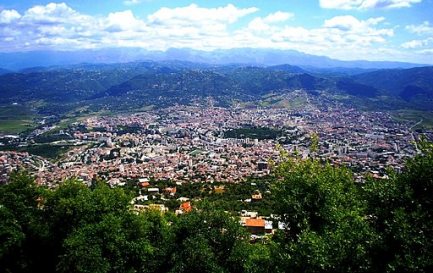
253	56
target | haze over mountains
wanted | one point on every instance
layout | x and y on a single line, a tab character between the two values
251	56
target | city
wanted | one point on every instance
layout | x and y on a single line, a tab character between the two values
200	144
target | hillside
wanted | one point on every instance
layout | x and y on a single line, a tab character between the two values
413	85
54	90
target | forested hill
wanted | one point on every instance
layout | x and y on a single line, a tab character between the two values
331	224
412	85
166	83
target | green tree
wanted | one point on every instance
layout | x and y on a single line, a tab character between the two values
22	229
326	229
74	204
115	244
11	240
206	241
401	209
314	143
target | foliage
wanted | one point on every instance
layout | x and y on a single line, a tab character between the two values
314	145
326	228
207	240
402	211
44	150
332	225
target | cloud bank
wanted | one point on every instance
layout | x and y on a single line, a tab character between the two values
366	4
57	26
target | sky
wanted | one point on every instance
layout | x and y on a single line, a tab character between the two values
393	30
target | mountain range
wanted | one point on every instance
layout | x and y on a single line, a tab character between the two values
129	86
259	57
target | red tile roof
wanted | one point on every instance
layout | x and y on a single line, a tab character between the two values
186	206
144	184
254	222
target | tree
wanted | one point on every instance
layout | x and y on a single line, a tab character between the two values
74	204
11	241
22	229
115	244
401	213
326	229
206	241
314	145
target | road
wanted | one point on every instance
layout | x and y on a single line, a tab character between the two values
416	124
413	137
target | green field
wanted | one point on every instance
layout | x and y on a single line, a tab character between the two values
277	101
15	119
414	116
52	152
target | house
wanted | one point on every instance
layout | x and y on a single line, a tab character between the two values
139	208
170	191
255	225
219	189
185	207
115	182
256	196
143	182
268	226
251	214
157	207
153	190
140	198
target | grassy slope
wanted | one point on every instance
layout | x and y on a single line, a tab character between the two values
15	119
415	116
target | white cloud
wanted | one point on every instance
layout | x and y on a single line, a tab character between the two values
265	24
338	37
425	42
425	32
190	26
132	2
58	26
351	24
417	43
123	21
193	14
424	29
277	17
52	13
428	51
366	4
346	22
7	16
194	26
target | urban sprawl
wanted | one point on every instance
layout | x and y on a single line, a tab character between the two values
206	144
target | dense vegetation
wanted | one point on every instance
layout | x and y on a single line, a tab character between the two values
413	85
120	87
332	225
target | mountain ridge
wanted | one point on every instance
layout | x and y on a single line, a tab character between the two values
253	56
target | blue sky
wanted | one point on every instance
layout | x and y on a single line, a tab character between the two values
344	29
